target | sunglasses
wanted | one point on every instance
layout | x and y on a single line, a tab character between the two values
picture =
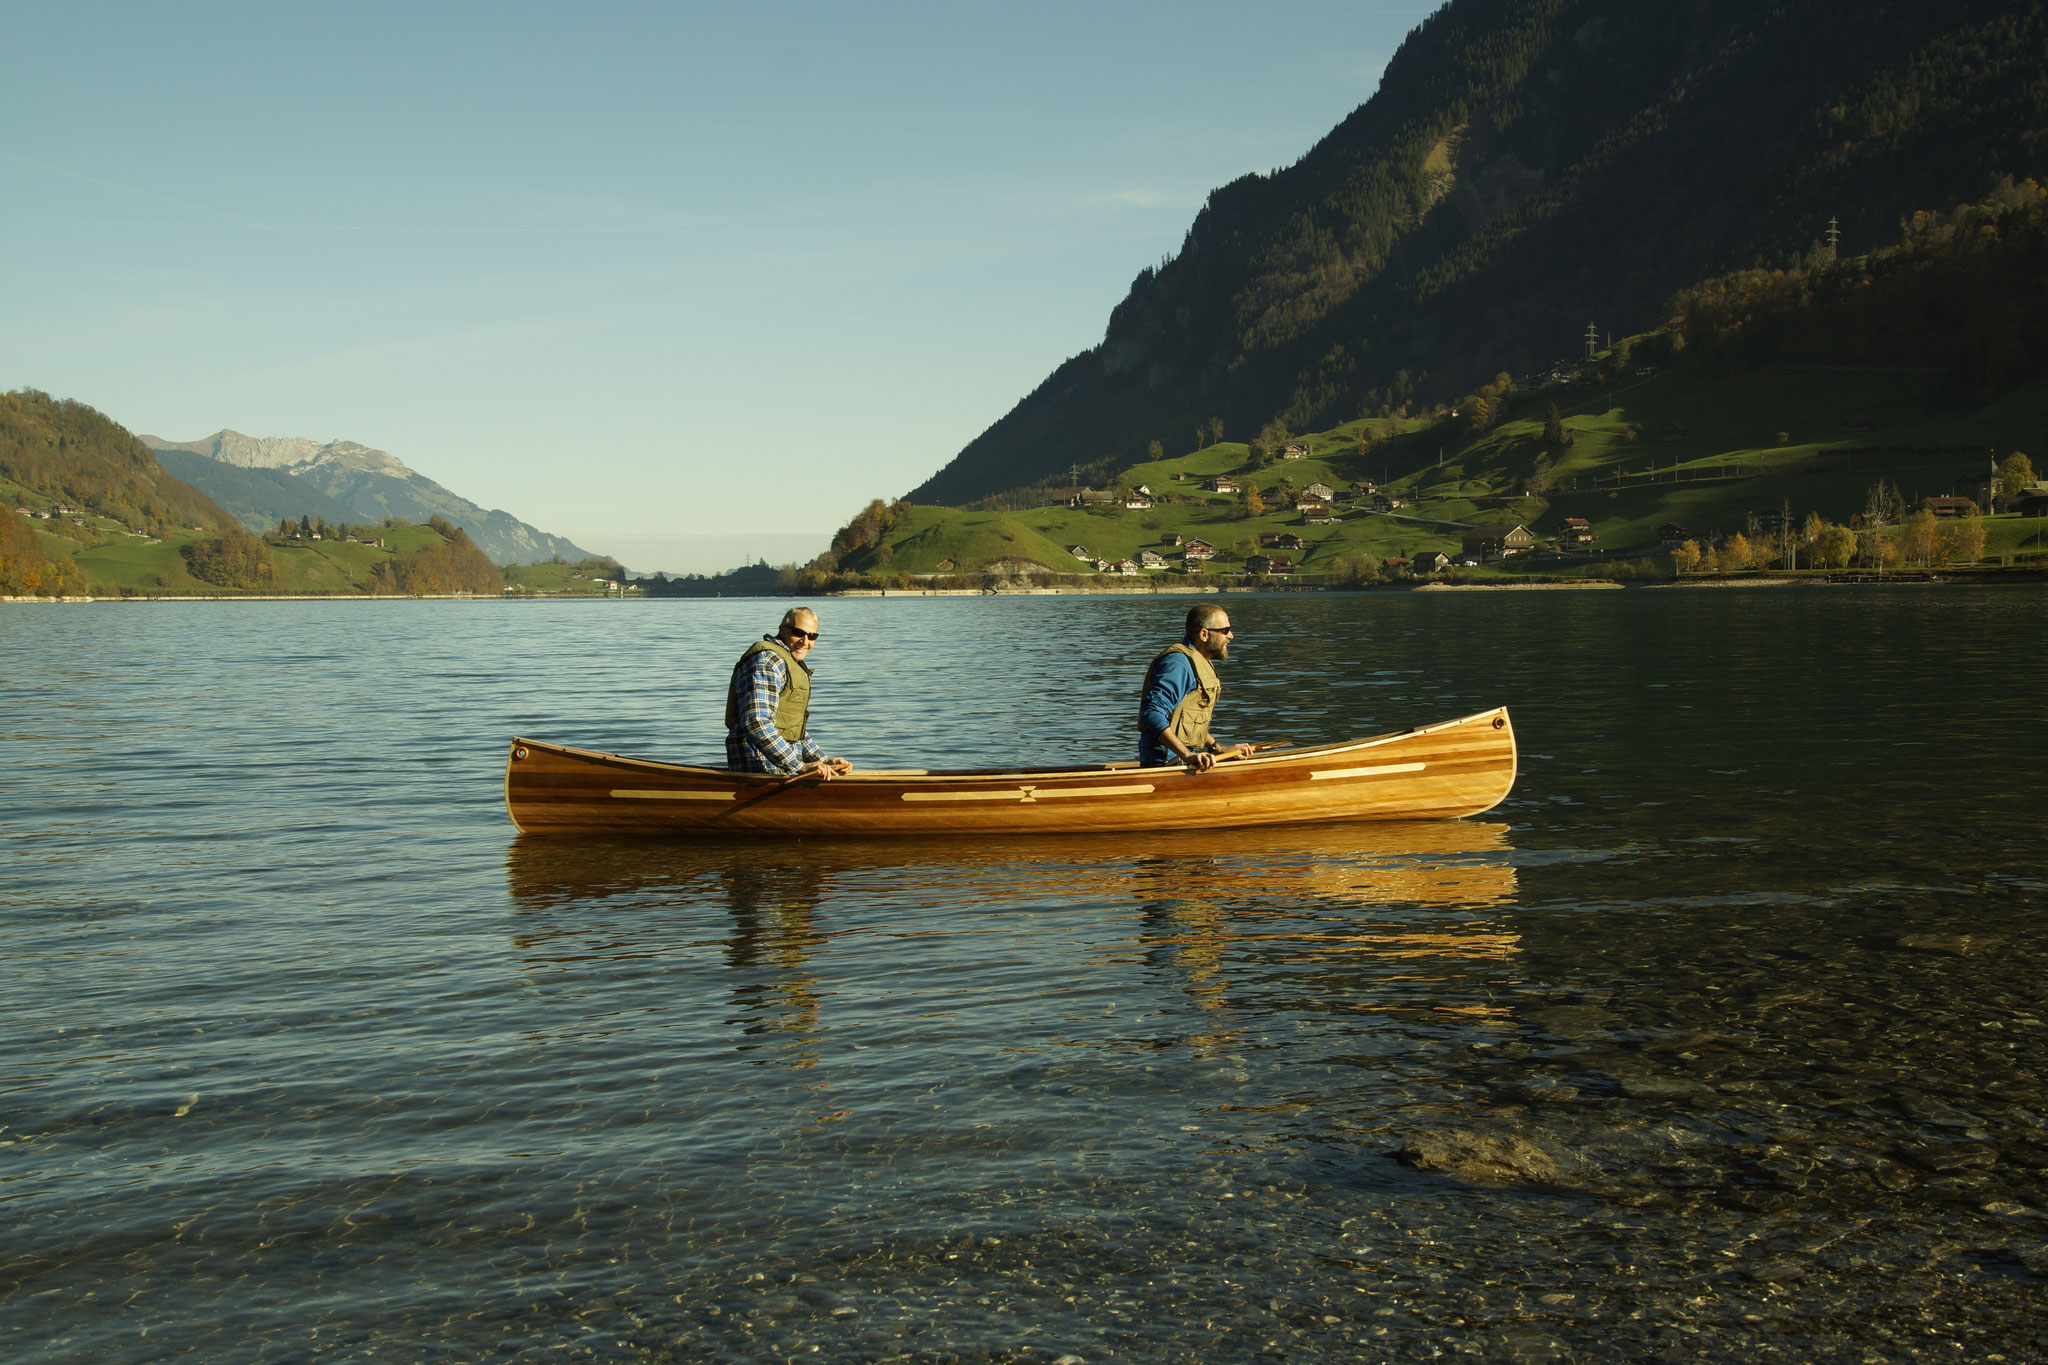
1221	630
810	635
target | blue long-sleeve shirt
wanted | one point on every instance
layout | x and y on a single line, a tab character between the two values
1170	678
753	744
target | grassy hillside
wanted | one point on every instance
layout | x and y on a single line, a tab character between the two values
1682	444
112	560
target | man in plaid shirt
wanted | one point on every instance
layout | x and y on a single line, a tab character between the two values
768	705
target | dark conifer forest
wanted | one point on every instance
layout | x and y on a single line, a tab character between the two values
1528	168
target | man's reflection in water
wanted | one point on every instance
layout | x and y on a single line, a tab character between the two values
1323	903
1184	933
595	898
1348	909
774	905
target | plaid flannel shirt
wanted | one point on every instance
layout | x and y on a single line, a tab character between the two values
754	745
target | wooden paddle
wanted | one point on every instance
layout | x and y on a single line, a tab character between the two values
1256	748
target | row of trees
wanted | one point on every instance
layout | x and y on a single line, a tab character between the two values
1922	540
306	527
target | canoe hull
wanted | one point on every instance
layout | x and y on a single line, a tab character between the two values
1458	768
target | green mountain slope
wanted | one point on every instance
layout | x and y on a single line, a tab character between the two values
1528	167
257	498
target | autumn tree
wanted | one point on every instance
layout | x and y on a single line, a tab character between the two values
1686	557
1154	451
2015	475
1964	541
1737	553
1920	540
1835	546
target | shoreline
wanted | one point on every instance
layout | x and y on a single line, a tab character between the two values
1904	580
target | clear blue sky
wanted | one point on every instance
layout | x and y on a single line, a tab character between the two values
669	279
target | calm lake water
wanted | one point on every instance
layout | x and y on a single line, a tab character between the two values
1722	1039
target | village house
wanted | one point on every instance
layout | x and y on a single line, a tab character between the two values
1429	561
1497	542
1365	487
1170	538
1294	450
1321	492
1387	502
1198	549
1151	559
1574	532
2031	501
1945	507
1143	491
1315	514
1092	497
1078	551
1222	483
1138	503
1671	535
1279	540
1268	564
1394	565
1127	566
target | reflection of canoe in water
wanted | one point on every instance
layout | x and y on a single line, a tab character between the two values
1439	862
1433	772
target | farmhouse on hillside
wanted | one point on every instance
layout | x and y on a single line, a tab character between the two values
1497	542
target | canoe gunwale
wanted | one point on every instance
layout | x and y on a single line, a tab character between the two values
1288	758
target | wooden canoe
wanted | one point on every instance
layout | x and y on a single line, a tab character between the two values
1434	772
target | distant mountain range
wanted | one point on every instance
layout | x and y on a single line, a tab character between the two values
1531	173
261	480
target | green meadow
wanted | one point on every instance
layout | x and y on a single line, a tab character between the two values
1702	450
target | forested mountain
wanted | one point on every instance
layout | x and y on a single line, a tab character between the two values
68	453
258	498
1528	168
308	476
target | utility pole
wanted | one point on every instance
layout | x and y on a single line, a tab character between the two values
1834	237
1592	339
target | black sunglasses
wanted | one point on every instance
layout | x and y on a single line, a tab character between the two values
1221	630
810	635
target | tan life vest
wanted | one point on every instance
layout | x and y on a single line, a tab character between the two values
1190	723
793	707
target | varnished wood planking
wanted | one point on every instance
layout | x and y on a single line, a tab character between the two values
1465	767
